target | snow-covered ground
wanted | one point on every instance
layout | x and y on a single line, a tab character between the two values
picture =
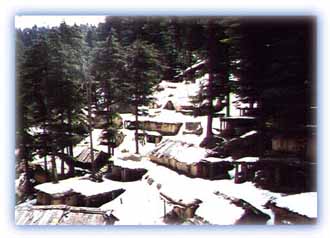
142	203
187	190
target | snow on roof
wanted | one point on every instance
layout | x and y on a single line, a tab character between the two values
187	190
238	117
219	211
181	151
129	206
247	191
80	185
227	159
153	133
194	66
216	160
302	203
250	133
128	164
169	116
134	207
248	159
212	159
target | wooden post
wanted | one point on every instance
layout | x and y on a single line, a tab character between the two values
164	207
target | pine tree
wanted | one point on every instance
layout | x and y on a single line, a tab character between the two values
275	70
108	70
142	75
51	80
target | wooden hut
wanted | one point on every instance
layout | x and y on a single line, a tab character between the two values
164	128
193	128
153	137
182	162
76	192
236	126
294	209
84	159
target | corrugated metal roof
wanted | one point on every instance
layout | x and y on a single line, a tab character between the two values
62	215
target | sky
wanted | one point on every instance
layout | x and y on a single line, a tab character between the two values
49	20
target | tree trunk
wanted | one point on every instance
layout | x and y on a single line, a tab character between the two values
189	54
54	169
62	150
228	104
209	120
25	156
111	148
136	130
53	159
45	145
70	164
70	150
211	43
108	119
261	131
90	126
45	164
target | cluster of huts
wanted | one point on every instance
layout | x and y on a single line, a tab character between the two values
287	162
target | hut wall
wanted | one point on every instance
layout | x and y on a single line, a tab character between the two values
125	174
100	199
194	170
311	148
162	127
153	139
201	169
183	167
71	199
172	163
293	145
43	198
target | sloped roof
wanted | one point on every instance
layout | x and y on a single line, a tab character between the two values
62	215
194	67
179	150
85	155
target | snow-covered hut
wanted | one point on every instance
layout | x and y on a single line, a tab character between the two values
189	159
193	128
295	209
164	127
78	191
